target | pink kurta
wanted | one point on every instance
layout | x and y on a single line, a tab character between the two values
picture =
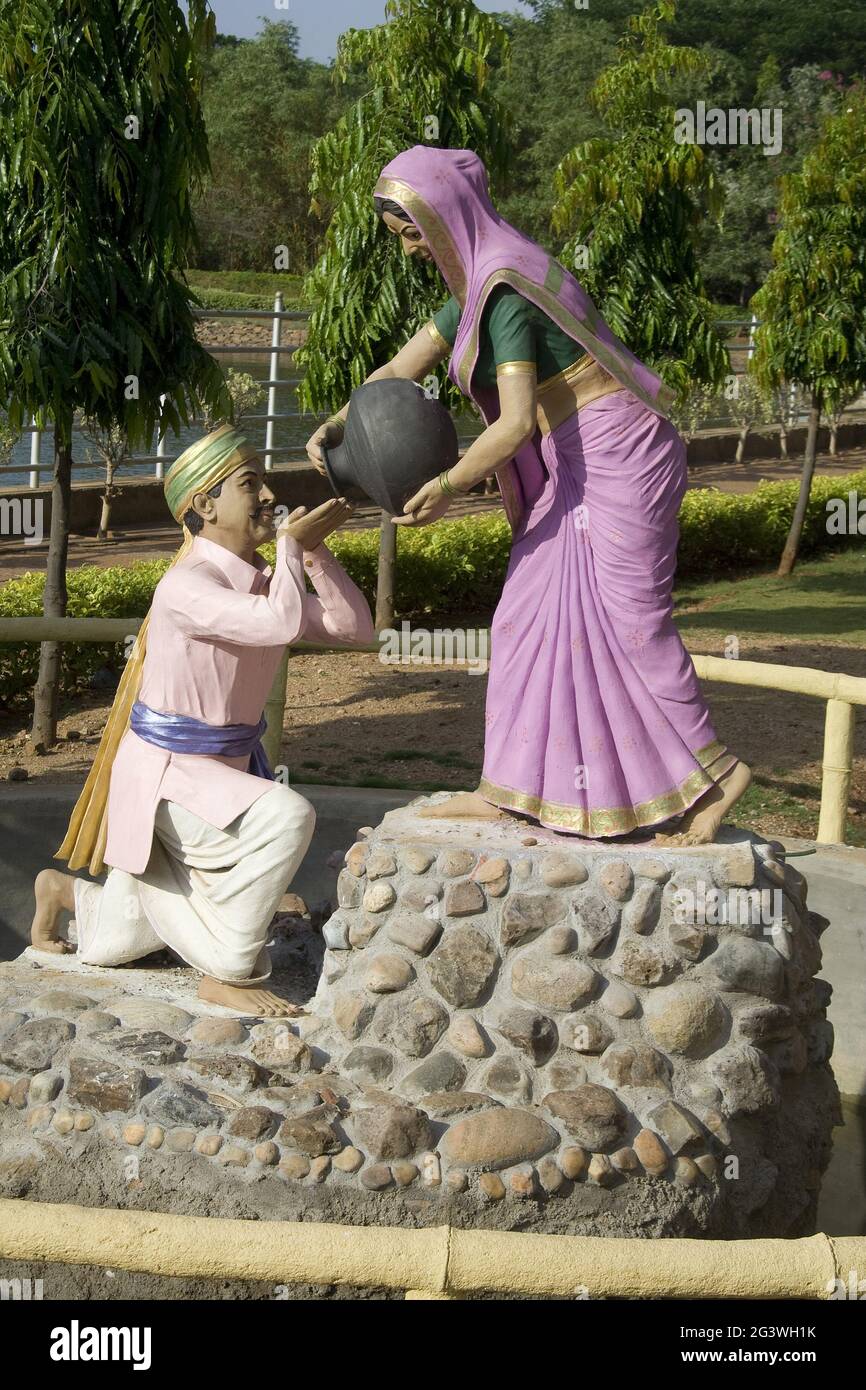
218	628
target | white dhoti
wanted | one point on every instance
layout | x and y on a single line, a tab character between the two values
208	894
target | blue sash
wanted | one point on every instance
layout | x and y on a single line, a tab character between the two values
179	733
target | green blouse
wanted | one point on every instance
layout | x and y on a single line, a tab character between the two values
513	329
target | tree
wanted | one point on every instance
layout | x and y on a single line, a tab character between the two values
631	205
835	408
101	142
427	77
795	32
736	257
8	438
112	446
245	394
693	411
554	62
749	406
813	305
264	108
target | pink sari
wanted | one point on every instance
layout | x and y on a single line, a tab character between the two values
595	722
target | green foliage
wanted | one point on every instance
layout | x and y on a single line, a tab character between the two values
231	299
737	256
8	437
122	591
245	392
795	32
264	108
554	63
722	533
431	60
635	202
95	215
812	306
453	570
245	289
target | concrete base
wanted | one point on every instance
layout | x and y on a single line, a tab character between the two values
33	820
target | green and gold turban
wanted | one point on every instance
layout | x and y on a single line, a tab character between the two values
199	468
203	465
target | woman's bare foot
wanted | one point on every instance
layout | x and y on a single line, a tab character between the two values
255	1003
54	894
700	825
468	804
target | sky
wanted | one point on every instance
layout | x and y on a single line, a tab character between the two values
319	21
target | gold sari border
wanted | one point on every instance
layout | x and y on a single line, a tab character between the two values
434	229
597	824
568	374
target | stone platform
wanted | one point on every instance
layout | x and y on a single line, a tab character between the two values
508	1027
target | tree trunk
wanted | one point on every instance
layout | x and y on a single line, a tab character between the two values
105	514
104	518
792	544
47	692
387	567
741	444
783	438
834	429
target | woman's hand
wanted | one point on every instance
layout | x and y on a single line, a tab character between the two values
428	504
330	434
311	528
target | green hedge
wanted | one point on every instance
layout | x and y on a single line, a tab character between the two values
453	569
723	533
244	289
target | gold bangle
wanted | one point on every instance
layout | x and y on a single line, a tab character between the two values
447	487
335	420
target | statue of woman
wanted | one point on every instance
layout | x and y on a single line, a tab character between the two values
595	723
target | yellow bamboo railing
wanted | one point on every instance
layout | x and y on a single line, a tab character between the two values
439	1262
842	693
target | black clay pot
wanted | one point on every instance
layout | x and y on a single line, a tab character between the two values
396	439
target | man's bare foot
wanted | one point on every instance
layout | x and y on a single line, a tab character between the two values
255	1003
468	804
700	825
54	894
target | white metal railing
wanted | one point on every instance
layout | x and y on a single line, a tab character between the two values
275	382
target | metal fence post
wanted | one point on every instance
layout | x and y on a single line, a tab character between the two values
160	444
35	452
276	338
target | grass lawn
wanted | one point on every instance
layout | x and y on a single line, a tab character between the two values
245	289
815	618
824	598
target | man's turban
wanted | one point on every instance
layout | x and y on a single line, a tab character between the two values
203	465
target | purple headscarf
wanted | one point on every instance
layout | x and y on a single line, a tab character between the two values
445	193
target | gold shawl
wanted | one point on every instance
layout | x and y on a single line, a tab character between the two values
198	469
